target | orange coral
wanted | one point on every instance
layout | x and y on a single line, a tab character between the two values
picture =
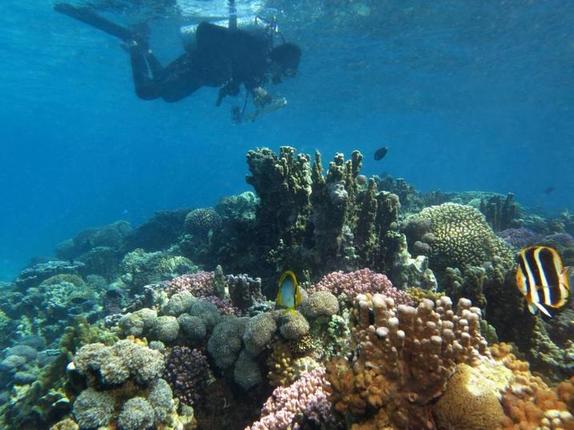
529	403
565	391
406	357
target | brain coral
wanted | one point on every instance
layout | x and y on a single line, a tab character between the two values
471	400
458	235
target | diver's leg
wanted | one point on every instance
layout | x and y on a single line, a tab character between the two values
146	86
156	69
180	79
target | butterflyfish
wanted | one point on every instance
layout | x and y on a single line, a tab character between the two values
289	293
542	278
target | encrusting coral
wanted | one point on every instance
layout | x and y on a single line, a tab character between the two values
529	403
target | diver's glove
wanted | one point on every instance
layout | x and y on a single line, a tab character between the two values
264	103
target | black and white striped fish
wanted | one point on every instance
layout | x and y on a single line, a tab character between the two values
542	278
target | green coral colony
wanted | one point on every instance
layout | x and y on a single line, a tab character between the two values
396	310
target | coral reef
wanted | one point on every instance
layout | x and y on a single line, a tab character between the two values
109	366
160	232
406	358
142	328
125	388
471	400
37	273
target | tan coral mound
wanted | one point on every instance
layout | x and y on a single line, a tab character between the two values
471	400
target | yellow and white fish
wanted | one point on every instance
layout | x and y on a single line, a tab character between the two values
289	293
542	278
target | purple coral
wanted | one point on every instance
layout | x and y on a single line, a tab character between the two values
559	239
188	374
519	237
200	284
359	282
225	306
306	398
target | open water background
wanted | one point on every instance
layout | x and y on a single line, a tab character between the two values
467	95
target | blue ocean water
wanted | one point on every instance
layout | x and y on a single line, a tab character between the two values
466	95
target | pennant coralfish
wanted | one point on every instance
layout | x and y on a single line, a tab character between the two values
289	293
542	278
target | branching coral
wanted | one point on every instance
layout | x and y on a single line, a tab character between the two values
359	282
187	372
200	284
500	212
306	400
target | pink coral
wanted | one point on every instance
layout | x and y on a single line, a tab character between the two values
200	284
306	398
360	282
224	305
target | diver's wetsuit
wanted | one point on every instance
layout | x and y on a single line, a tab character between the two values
221	58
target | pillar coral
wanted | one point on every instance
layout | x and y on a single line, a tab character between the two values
316	221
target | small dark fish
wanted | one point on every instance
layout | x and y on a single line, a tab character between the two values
549	190
542	278
381	152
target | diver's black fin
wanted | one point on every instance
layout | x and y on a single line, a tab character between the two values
89	17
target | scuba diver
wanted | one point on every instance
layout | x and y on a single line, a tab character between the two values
224	57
